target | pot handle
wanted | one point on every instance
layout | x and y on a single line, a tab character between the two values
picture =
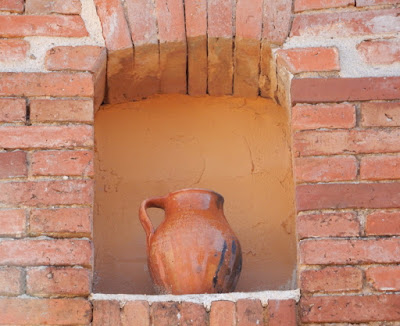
158	202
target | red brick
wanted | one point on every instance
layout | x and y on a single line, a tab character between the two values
379	52
220	18
115	28
223	313
349	309
192	314
249	312
381	114
137	313
51	84
328	225
62	163
13	164
364	195
331	168
45	252
142	22
50	110
317	90
282	312
42	7
10	281
249	19
106	313
277	20
55	25
368	141
363	3
196	18
47	193
12	5
301	5
171	23
383	223
349	252
46	282
46	136
72	222
18	311
342	24
384	278
331	279
380	167
12	110
12	222
164	313
79	58
309	59
13	50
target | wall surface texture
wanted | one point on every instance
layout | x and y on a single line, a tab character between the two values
334	65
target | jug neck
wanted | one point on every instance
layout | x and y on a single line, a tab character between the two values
195	200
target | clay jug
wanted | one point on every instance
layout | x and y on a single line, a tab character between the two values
194	250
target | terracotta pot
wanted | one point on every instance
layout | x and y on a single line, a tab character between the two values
194	250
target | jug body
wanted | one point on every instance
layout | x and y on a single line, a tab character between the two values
194	250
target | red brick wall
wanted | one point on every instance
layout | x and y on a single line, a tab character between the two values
346	148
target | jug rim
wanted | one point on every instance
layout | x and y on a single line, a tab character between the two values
195	190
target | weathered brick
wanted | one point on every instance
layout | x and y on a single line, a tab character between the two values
364	3
79	58
317	90
45	252
301	5
383	223
53	25
18	311
12	5
50	110
196	18
328	225
63	84
41	7
384	278
137	313
380	114
282	312
116	35
249	312
368	141
380	167
39	193
106	313
10	281
12	222
223	313
46	136
363	195
320	169
13	164
164	313
349	252
350	309
249	19
342	24
61	222
219	18
62	163
51	281
171	23
276	20
299	60
13	49
331	279
12	110
192	314
379	52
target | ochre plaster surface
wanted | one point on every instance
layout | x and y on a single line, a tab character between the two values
235	146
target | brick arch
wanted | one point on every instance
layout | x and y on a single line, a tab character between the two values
216	47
